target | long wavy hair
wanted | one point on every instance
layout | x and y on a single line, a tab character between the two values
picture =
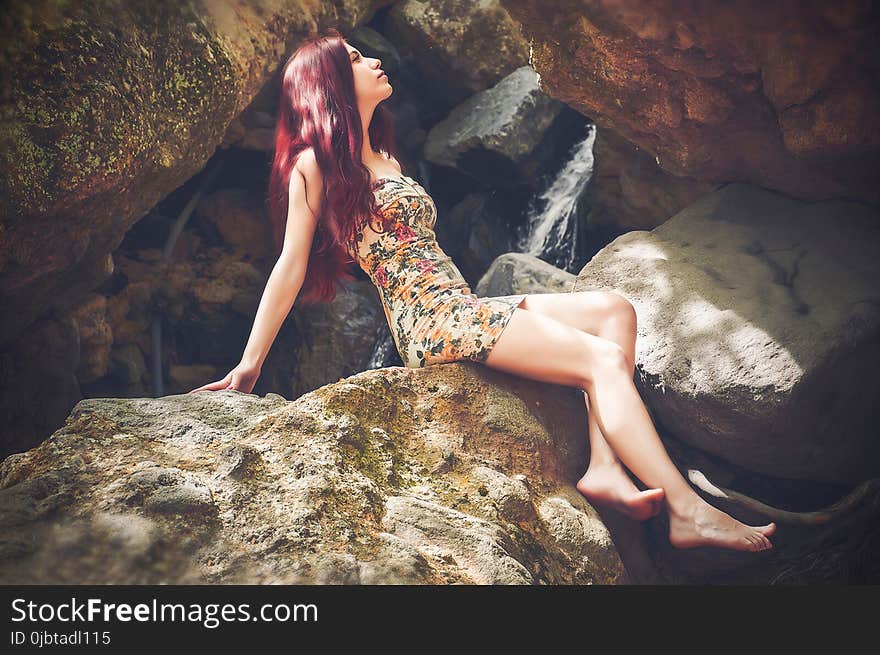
318	109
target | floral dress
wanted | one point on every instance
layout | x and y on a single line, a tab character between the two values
433	315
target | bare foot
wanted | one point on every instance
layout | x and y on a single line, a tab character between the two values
705	525
609	485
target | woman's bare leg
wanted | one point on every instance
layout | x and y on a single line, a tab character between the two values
607	483
612	317
541	348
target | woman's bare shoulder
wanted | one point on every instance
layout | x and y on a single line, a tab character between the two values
307	166
394	161
307	163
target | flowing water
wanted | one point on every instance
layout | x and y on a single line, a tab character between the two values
551	226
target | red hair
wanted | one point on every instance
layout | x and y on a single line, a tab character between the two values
318	109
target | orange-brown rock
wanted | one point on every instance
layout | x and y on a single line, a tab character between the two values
782	94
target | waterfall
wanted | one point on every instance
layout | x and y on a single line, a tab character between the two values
550	229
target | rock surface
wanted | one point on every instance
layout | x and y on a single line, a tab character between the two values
629	191
450	474
784	95
495	135
758	329
520	273
463	46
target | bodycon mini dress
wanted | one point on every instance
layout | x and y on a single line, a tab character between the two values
433	315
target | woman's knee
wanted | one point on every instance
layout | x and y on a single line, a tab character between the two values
621	314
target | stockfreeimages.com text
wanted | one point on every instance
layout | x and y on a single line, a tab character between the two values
210	615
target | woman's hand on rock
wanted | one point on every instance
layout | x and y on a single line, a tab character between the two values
242	378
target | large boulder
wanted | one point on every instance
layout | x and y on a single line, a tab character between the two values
475	231
449	474
784	94
495	136
758	329
461	46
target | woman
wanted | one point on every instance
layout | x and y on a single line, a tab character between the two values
335	173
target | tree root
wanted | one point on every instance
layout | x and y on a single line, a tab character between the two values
844	506
167	252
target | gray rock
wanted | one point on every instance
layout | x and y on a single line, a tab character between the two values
495	135
128	365
477	230
397	562
337	337
461	47
336	568
516	272
758	324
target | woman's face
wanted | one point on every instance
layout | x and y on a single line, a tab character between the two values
370	85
